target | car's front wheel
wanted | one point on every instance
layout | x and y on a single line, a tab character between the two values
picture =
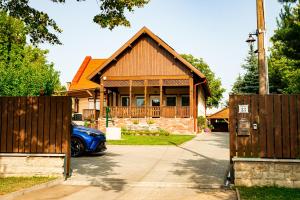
77	147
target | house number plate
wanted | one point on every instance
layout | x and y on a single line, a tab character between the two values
243	109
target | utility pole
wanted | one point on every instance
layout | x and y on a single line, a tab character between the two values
262	64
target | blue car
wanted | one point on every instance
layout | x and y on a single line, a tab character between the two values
86	140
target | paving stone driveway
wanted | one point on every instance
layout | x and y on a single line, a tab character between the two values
194	170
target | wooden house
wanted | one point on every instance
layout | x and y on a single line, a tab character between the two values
145	78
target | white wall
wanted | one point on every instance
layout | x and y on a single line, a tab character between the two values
201	101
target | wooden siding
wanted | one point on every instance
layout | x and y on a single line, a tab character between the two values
146	58
278	132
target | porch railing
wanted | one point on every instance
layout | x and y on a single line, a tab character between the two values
151	111
88	114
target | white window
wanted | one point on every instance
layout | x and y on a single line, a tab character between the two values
140	101
91	104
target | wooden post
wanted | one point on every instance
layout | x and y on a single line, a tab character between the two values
191	80
101	99
95	110
130	97
160	96
262	64
145	96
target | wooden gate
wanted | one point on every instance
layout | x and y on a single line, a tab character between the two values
264	126
36	125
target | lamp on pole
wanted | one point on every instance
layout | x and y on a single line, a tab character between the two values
260	33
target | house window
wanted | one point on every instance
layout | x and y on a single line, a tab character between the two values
125	101
171	101
140	101
91	104
185	100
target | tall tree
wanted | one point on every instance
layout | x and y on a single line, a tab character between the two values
249	81
284	61
24	69
39	24
214	83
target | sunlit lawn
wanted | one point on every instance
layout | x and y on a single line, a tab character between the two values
11	184
152	140
269	193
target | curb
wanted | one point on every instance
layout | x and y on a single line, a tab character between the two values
237	194
18	193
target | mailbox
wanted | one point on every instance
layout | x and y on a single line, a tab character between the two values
244	127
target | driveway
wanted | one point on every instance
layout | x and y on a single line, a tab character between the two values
194	170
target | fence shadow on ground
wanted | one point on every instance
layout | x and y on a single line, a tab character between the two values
96	169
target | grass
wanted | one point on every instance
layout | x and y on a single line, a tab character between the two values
151	140
11	184
268	193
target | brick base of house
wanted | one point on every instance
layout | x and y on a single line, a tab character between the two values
172	125
251	172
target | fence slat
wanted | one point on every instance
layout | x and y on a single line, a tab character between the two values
40	135
22	113
262	128
232	126
47	125
59	109
247	139
277	126
16	125
10	125
269	126
52	125
298	132
4	125
28	124
34	125
254	133
286	148
293	125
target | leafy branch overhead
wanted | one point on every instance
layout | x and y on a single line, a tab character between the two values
39	24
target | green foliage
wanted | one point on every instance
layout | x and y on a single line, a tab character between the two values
269	193
150	121
284	61
214	83
24	70
126	131
39	25
201	121
249	81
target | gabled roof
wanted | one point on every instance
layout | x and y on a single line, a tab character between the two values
144	30
80	80
221	114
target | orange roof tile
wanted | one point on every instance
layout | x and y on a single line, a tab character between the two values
222	114
80	80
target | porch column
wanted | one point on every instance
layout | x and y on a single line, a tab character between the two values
130	97
101	99
145	96
191	80
161	95
95	110
76	105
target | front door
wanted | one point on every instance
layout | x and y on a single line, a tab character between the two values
155	106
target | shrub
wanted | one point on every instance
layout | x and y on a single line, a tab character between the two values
86	123
135	122
201	121
150	121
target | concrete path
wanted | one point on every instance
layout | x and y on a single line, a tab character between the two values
194	170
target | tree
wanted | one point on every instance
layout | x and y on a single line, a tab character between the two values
39	24
24	69
214	83
249	82
284	61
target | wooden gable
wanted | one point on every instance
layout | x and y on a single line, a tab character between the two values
145	57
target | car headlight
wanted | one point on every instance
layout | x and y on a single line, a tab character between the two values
93	134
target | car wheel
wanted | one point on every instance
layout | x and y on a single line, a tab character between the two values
77	147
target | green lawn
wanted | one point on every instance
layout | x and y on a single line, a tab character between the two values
152	140
11	184
269	193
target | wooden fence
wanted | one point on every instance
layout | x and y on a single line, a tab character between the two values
270	128
35	125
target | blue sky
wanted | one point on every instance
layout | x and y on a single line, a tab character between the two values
214	30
